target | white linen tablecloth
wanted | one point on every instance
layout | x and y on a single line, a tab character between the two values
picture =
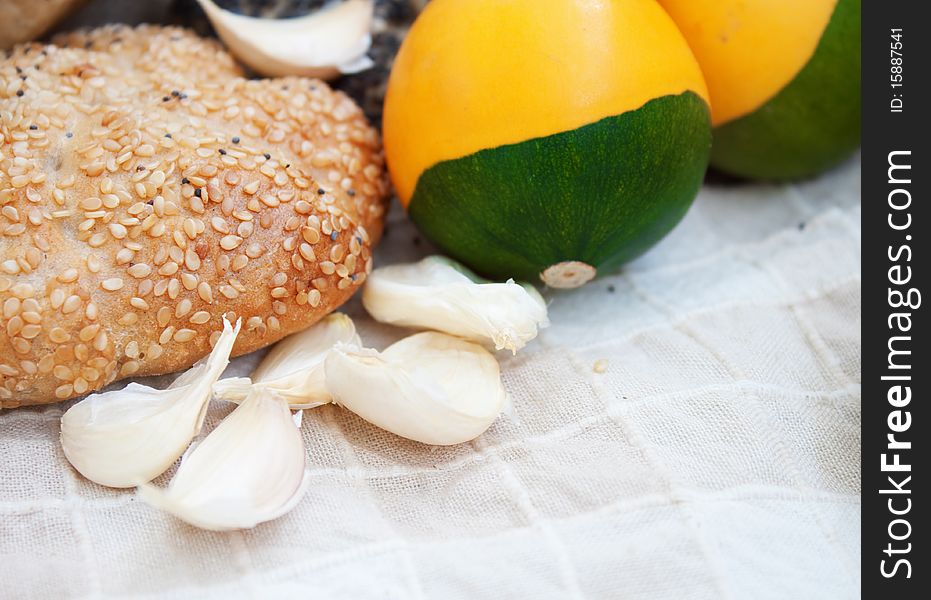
717	455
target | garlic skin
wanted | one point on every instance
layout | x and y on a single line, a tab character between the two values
248	470
438	294
324	44
127	437
429	387
293	368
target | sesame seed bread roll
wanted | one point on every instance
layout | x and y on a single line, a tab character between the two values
147	190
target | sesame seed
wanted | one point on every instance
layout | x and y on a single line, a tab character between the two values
11	307
168	269
230	242
254	250
23	291
129	368
191	261
100	342
91	311
139	270
205	293
313	298
200	317
183	308
30	331
310	235
229	292
56	298
184	335
112	284
14	326
88	333
154	351
118	231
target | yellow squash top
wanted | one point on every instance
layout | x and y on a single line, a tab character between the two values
749	49
478	74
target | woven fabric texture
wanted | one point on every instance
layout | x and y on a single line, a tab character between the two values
714	452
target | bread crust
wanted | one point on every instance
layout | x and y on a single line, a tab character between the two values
147	190
24	20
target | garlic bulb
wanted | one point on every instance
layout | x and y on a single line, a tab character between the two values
429	387
324	44
126	437
438	294
248	470
293	368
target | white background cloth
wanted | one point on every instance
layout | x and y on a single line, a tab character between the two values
717	456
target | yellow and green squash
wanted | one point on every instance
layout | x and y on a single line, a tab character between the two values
783	78
546	139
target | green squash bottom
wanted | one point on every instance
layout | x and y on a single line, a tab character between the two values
809	126
566	207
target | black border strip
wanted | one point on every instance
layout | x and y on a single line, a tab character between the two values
895	270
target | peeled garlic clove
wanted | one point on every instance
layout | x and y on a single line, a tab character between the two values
127	437
439	294
429	387
293	368
323	44
248	470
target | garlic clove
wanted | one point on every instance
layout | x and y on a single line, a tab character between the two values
429	387
326	43
293	368
126	437
438	294
248	470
